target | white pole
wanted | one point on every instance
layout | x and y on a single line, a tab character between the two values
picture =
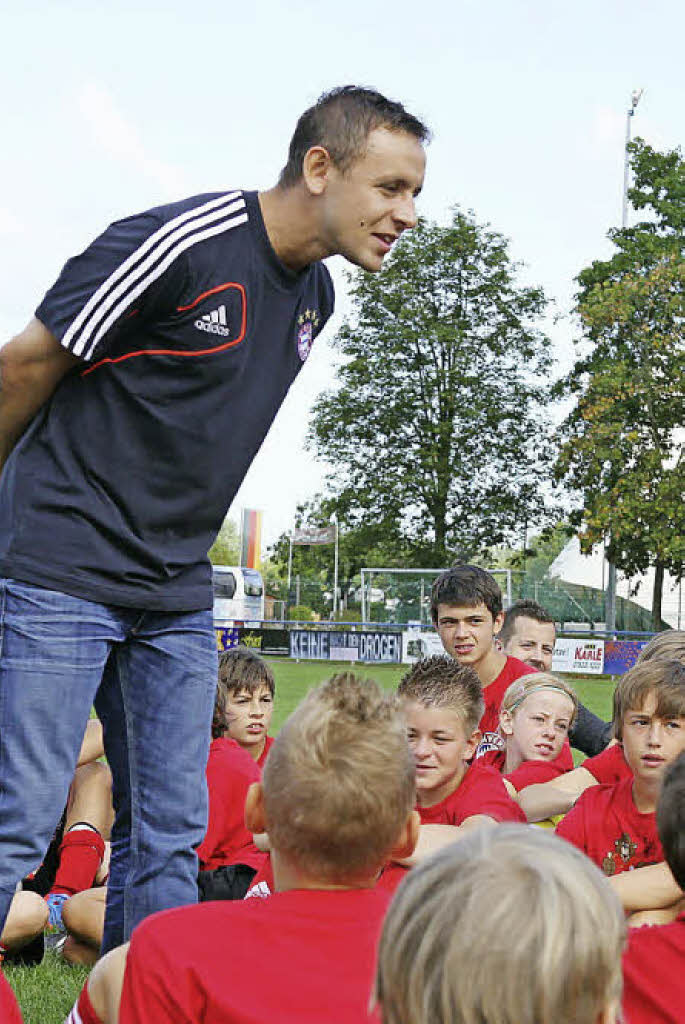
334	519
610	596
290	567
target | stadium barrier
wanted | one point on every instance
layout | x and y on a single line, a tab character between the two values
404	643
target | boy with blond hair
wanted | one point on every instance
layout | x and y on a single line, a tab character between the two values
546	947
336	798
616	825
653	962
442	703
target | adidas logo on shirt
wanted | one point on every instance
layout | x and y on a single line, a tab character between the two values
214	322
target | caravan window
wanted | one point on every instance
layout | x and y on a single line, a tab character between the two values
224	586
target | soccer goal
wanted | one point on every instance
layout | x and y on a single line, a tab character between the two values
403	595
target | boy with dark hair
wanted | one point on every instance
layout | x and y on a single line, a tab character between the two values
336	799
616	825
245	701
176	328
653	962
466	608
443	703
528	632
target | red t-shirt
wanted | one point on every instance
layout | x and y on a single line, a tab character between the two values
489	723
652	974
609	766
300	957
607	826
527	773
9	1008
230	773
481	791
261	760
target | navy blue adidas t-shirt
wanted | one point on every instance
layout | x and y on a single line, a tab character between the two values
191	331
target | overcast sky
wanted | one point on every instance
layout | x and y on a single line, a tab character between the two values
111	110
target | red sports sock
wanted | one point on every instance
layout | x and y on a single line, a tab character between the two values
83	1012
80	854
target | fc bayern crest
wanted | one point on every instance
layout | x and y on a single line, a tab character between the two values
305	334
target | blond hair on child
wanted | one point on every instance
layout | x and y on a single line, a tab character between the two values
666	646
339	780
509	926
441	682
665	679
516	693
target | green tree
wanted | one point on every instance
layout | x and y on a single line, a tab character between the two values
623	439
226	548
437	433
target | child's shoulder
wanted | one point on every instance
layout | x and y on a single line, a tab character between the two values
226	755
512	669
652	968
609	766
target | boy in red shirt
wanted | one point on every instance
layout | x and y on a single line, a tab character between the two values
653	962
466	608
443	703
245	701
616	825
511	925
336	800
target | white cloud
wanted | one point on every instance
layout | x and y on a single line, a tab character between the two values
119	138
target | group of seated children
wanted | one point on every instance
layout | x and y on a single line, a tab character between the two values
350	810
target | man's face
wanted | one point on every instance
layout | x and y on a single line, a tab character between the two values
467	633
366	208
532	642
650	744
440	748
248	716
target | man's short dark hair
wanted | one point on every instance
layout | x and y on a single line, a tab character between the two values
523	609
670	818
340	121
466	586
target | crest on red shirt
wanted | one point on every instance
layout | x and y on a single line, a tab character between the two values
624	848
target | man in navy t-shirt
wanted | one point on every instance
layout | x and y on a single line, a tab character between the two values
131	407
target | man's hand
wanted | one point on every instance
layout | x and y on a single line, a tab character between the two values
31	366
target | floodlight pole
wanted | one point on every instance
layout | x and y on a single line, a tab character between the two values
610	597
334	520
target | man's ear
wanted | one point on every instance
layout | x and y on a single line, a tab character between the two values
498	622
255	818
316	168
407	839
506	722
472	744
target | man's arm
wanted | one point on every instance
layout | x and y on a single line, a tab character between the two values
589	733
31	366
557	796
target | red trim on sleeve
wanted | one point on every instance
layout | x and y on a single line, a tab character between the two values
189	353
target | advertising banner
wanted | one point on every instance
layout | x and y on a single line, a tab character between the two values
314	535
265	641
586	656
418	643
331	645
621	655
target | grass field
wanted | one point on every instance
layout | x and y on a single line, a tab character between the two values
47	993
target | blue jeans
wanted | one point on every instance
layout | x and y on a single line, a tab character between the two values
152	678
